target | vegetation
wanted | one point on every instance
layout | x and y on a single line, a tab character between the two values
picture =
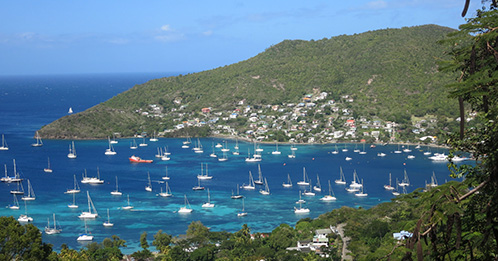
391	74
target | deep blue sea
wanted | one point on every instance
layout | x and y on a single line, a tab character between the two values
29	102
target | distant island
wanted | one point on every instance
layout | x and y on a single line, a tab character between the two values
378	86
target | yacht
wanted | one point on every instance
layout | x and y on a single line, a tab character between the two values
167	193
329	197
251	184
242	213
85	236
342	178
204	176
389	186
186	208
127	207
266	190
237	196
39	141
91	207
208	204
72	151
149	183
108	222
75	189
305	181
52	230
116	192
289	182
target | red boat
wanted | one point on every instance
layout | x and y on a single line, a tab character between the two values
135	159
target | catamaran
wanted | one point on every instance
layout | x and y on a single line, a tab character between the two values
167	193
72	151
31	193
305	181
185	209
329	197
289	182
75	189
4	145
251	184
265	191
108	222
91	207
342	178
39	141
49	230
48	169
116	192
208	204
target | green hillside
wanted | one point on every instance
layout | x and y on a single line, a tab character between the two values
391	74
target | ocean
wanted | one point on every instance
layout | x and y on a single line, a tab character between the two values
29	102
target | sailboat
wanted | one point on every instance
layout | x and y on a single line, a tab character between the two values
143	144
185	209
259	181
433	180
14	205
74	202
114	141
39	141
356	148
213	155
257	148
309	192
198	187
251	184
164	155
407	149
300	201
4	145
396	191
133	145
292	155
93	180
6	178
185	144
329	197
75	189
301	210
89	214
24	217
167	193
49	230
236	144
19	190
110	151
70	110
345	149
355	183
253	158
85	236
31	193
237	196
48	169
303	182
149	184
389	187
336	151
293	147
242	213
224	157
342	178
204	176
225	147
289	182
318	186
166	177
208	204
361	193
127	207
198	147
265	191
398	151
108	222
116	192
363	152
405	181
72	151
154	137
276	152
428	152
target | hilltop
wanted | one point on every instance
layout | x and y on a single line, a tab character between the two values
383	75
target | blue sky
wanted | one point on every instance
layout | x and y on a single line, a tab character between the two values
113	36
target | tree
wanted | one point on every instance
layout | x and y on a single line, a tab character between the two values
197	233
145	253
161	241
282	237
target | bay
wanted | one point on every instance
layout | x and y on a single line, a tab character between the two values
28	103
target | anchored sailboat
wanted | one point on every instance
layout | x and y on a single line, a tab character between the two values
91	207
31	193
72	151
55	230
185	209
39	141
208	204
48	169
108	222
329	197
289	182
116	192
242	213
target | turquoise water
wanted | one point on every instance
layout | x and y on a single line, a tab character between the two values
23	112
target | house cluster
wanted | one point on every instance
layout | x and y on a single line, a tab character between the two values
317	244
315	118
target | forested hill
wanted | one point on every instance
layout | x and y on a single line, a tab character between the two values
390	73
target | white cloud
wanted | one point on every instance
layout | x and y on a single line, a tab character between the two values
379	4
207	33
166	28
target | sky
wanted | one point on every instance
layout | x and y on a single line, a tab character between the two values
131	36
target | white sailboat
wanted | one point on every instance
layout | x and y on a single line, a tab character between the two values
396	191
154	137
166	177
276	152
225	147
91	207
15	204
342	178
242	213
292	155
259	181
224	157
52	230
167	192
237	196
24	217
208	204
128	206
149	183
236	144
433	180
289	182
301	210
198	187
345	148
198	147
85	236
185	144
4	145
251	184
336	151
253	158
204	176
19	190
72	151
309	192
6	178
257	148
363	152
329	197
70	110
293	147
39	141
381	154
407	149
265	191
114	141
318	186
165	155
213	155
301	200
31	193
356	181
398	151
93	180
218	145
405	182
75	189
361	193
304	182
110	151
133	145
185	209
143	144
108	222
73	205
356	148
48	169
389	187
428	152
116	192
